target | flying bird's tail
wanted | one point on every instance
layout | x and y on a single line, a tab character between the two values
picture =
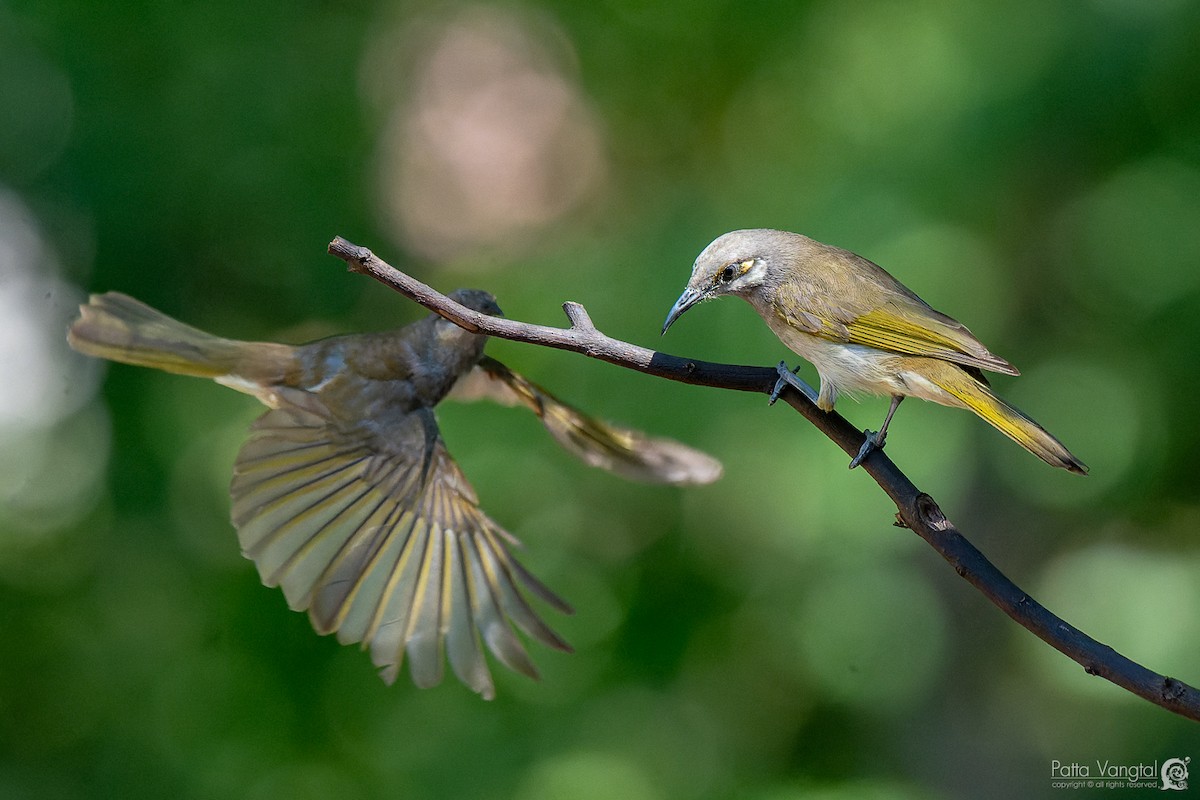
117	327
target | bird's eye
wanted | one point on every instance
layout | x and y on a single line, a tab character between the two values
728	273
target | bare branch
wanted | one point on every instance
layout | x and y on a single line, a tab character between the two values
917	510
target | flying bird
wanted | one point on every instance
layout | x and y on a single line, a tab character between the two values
345	496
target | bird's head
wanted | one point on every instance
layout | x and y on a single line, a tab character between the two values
449	336
735	263
477	300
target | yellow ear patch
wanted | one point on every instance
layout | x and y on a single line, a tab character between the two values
730	271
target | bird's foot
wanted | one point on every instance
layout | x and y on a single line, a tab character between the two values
787	377
874	441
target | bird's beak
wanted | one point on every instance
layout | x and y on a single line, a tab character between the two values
686	300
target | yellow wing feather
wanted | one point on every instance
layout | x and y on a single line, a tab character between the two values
888	330
904	324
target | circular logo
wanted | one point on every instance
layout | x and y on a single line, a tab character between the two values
1175	773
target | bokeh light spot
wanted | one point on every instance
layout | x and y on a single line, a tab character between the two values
496	141
873	638
1136	234
587	775
1138	601
52	453
1096	412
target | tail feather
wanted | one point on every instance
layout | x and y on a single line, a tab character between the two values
1011	422
117	327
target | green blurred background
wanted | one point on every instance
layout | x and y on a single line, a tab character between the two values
1031	168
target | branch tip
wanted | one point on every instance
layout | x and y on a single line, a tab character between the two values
358	259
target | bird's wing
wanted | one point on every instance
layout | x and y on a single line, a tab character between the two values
378	534
623	451
902	324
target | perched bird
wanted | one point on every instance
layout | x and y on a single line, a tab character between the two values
345	496
862	329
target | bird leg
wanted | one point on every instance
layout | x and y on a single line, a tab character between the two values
875	439
787	377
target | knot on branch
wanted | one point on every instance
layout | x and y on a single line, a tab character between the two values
1172	690
929	514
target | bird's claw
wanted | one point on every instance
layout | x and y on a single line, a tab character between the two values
787	377
873	442
779	384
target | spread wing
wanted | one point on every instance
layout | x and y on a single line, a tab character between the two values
624	451
377	533
902	324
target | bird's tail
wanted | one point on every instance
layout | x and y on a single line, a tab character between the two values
976	396
120	328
